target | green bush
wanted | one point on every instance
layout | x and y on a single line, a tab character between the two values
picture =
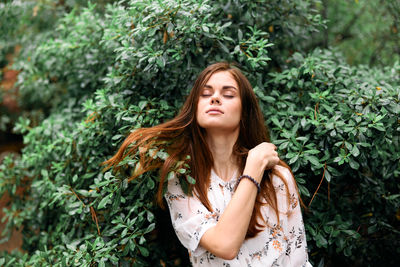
341	124
100	73
366	32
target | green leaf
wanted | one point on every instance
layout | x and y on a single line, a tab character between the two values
355	151
108	175
143	251
348	146
190	179
132	245
104	201
240	34
312	151
354	164
314	160
276	121
392	197
182	171
321	241
224	48
171	175
150	227
44	173
150	183
294	159
328	176
150	216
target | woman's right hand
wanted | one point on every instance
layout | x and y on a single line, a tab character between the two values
261	157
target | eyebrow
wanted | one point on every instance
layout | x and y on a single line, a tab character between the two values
225	87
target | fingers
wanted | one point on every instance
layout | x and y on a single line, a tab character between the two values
265	153
261	157
271	156
273	159
265	146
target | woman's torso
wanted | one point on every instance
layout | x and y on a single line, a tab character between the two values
281	244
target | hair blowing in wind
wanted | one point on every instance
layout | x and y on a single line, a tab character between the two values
182	137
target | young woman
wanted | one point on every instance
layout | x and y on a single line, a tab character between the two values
243	208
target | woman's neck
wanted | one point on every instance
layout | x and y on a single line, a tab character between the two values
221	146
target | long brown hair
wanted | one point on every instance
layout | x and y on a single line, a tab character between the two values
183	137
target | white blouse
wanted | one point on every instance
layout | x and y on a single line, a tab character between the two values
283	245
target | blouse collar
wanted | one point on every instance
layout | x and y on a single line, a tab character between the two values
219	180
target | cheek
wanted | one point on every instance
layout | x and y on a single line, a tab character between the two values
237	110
197	115
199	110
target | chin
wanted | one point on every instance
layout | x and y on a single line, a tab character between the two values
219	127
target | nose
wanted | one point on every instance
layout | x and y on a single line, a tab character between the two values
215	99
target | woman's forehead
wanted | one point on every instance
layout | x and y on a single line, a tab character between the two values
224	78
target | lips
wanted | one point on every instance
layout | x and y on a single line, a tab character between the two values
214	111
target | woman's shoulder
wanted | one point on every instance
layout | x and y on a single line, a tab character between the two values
285	175
284	171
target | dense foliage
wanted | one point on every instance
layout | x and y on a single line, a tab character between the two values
367	32
98	72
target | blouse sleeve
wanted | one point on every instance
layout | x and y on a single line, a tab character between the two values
297	246
190	218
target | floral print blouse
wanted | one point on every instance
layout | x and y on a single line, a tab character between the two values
283	245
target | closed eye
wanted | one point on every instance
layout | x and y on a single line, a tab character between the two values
206	92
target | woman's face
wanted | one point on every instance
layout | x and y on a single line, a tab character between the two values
219	105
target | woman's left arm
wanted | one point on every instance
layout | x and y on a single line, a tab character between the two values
226	237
